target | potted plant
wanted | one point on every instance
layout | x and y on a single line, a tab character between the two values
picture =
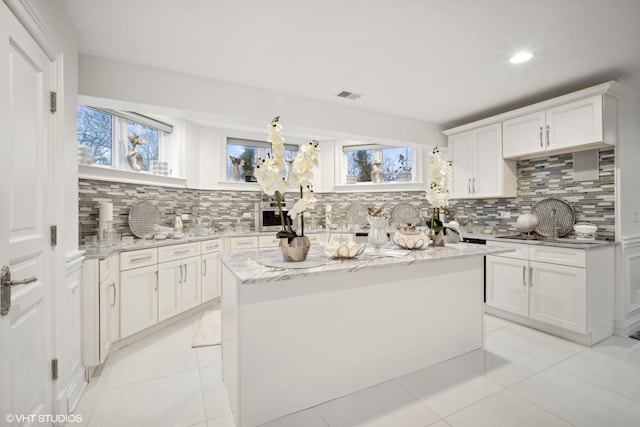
438	197
271	176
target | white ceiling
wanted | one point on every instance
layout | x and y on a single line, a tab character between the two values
441	61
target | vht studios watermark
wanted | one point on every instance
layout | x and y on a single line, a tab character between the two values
42	418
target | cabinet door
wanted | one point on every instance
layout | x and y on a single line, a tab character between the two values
190	288
559	295
460	147
575	123
138	299
487	161
523	135
507	284
113	303
210	277
105	342
170	277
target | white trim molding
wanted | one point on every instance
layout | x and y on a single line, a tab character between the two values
102	173
628	287
34	26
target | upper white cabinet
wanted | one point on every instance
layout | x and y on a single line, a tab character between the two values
568	127
479	171
581	120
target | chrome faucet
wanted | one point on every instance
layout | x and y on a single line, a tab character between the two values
471	218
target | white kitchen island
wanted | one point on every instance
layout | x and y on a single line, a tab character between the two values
293	338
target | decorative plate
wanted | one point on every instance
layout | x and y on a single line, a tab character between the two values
143	216
553	213
404	213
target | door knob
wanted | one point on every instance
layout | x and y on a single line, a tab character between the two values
5	288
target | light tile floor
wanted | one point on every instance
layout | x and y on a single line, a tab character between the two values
521	378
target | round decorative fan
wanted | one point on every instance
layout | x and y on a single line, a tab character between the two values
404	213
142	218
553	213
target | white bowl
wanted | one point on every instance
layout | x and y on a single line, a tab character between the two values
346	250
410	241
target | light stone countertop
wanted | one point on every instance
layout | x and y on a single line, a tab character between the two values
562	242
268	266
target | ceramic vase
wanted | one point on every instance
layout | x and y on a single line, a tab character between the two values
295	249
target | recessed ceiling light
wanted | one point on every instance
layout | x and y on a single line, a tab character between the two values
521	57
349	95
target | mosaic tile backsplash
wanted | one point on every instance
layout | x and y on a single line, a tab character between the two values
592	201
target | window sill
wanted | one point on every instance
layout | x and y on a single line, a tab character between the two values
103	173
385	186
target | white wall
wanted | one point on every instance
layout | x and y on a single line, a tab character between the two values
233	104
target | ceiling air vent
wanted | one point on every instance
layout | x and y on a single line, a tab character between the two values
349	95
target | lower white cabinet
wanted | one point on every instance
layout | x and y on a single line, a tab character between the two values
138	299
565	288
100	308
210	270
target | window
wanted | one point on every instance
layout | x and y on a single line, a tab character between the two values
397	163
247	152
106	133
95	130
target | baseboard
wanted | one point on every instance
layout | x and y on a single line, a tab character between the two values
628	327
582	339
159	326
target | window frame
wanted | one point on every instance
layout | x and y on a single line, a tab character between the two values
342	167
119	138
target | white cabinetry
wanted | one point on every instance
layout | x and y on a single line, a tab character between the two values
100	311
479	170
569	290
210	280
139	290
178	279
574	125
244	243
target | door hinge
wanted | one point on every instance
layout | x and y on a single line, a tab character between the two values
53	101
54	235
54	369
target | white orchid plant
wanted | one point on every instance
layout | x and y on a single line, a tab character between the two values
270	173
438	191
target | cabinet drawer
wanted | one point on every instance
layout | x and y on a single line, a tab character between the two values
211	246
135	259
266	242
562	256
243	243
173	252
520	251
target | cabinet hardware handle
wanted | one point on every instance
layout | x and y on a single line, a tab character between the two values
531	276
204	267
185	272
113	304
541	144
524	280
144	258
156	273
469	186
185	251
473	186
548	142
181	273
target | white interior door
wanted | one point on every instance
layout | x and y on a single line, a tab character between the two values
25	331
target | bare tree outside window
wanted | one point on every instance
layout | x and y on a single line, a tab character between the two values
361	164
95	130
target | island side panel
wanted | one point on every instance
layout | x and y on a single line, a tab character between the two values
309	340
229	341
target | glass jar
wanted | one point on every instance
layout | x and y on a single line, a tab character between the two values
377	231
